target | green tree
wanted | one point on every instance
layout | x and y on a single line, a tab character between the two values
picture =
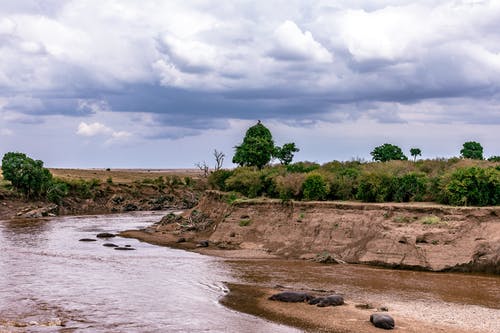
387	152
257	147
472	150
285	154
25	174
415	152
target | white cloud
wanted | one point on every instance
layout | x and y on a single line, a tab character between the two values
93	129
293	44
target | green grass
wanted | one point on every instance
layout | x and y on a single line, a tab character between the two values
245	222
431	220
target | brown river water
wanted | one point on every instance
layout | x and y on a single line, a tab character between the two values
49	278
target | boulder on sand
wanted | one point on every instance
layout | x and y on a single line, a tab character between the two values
382	321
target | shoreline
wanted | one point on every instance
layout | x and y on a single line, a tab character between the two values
410	316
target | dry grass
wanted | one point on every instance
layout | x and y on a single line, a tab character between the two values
123	175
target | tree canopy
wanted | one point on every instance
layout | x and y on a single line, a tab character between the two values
25	174
473	150
387	152
415	152
258	148
285	153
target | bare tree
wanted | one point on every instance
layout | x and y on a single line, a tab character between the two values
219	159
203	167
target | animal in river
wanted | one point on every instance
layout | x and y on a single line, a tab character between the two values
331	300
291	296
382	321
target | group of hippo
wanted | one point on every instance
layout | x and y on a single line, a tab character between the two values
379	320
107	235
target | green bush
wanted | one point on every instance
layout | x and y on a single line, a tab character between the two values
314	187
375	187
57	191
472	186
246	181
302	167
217	179
410	187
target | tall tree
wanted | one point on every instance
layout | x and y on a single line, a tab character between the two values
415	152
472	150
387	152
257	147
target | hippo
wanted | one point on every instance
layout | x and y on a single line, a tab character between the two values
124	248
109	245
87	240
382	321
331	300
105	235
291	296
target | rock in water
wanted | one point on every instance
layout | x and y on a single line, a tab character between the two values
105	235
291	296
124	248
382	321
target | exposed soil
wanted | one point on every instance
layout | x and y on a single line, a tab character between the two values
116	191
412	236
340	319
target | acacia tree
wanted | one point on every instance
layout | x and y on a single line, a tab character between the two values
257	147
415	152
285	154
472	150
387	152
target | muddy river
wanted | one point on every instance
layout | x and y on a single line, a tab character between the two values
50	281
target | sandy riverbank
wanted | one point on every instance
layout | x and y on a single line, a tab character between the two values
411	315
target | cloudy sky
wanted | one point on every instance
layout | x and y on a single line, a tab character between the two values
160	84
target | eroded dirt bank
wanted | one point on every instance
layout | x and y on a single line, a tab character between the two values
415	236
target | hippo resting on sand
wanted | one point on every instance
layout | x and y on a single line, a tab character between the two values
382	321
291	296
332	300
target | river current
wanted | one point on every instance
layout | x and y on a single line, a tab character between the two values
52	282
48	278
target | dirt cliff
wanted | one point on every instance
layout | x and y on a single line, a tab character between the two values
417	236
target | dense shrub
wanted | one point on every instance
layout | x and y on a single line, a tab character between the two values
472	186
246	181
314	187
302	167
410	187
402	181
375	187
217	179
289	186
57	191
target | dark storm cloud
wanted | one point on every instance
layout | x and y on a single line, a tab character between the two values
195	66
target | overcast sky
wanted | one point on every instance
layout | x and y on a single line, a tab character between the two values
160	84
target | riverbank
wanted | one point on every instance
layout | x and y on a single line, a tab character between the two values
424	237
419	301
104	191
409	236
